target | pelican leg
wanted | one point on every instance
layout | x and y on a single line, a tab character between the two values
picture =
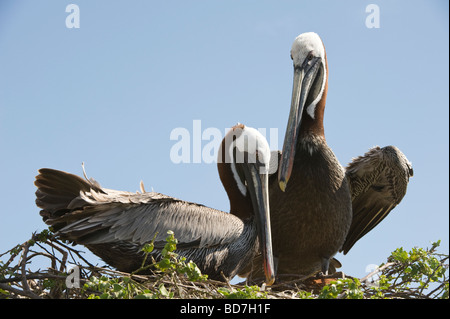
325	266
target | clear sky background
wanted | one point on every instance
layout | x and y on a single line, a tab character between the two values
110	92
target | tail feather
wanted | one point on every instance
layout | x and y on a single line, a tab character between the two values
57	189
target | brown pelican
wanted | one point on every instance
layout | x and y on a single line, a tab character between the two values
115	225
317	207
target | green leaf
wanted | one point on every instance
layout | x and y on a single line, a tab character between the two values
163	291
148	248
117	287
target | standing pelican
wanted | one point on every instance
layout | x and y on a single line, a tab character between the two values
115	225
317	207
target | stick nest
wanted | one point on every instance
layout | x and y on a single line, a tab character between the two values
68	275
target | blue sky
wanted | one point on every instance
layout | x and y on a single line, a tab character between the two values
110	93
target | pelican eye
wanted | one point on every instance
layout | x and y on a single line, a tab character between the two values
308	59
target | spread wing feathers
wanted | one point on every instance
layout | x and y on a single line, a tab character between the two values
84	212
378	182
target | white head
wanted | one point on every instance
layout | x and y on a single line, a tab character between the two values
245	144
305	48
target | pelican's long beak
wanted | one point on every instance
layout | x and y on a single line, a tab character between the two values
258	186
303	80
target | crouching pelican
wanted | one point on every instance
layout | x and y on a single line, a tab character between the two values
115	225
317	207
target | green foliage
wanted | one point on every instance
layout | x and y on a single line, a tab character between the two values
417	273
301	294
122	288
248	292
169	265
348	288
170	262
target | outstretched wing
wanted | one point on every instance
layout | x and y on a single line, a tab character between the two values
378	182
84	212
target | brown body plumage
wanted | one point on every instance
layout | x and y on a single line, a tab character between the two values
317	207
311	219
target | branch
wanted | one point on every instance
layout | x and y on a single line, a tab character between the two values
24	293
